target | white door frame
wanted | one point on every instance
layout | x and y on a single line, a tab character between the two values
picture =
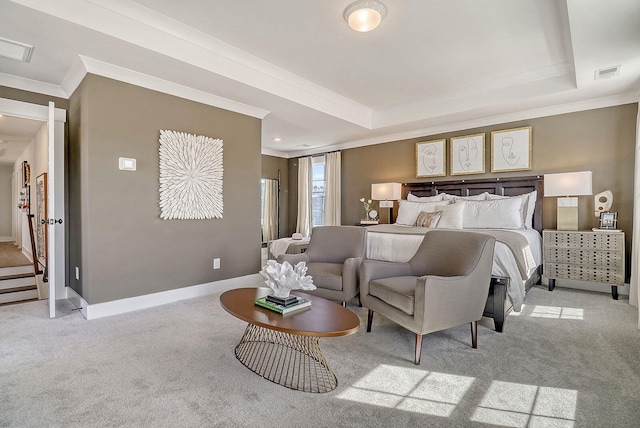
57	288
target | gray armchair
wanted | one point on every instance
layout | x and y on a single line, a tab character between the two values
333	260
444	285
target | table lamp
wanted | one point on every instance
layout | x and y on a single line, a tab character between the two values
567	186
386	193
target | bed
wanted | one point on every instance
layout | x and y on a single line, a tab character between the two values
510	209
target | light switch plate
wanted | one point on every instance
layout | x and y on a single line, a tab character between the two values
127	164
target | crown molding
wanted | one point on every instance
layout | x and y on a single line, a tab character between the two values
29	85
84	65
572	107
166	36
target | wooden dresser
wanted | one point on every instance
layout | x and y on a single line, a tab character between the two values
594	256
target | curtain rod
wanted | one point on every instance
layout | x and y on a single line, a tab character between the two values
319	154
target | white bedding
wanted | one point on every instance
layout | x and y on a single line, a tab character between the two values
401	247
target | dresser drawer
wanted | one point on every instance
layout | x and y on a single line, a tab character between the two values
584	273
611	259
590	240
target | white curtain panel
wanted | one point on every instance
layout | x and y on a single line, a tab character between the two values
635	242
304	223
270	210
332	195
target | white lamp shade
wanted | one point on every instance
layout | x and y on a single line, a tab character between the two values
386	191
568	184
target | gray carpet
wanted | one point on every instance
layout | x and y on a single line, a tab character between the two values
571	358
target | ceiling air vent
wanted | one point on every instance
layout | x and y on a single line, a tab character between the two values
15	50
607	73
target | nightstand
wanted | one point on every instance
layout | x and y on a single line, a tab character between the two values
594	256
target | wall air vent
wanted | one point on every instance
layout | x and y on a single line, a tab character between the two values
607	73
15	50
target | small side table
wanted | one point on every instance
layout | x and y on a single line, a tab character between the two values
594	256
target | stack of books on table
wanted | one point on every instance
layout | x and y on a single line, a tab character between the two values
281	306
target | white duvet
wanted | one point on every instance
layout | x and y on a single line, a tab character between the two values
401	247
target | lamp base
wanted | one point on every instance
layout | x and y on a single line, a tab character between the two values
567	214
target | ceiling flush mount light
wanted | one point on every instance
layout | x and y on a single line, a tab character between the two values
365	15
15	50
277	139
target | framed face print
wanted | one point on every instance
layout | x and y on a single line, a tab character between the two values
467	154
430	158
511	150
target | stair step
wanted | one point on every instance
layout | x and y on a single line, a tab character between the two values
8	284
16	276
19	296
14	270
17	289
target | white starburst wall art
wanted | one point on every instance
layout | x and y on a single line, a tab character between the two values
190	176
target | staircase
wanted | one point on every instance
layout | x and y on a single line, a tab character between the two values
17	284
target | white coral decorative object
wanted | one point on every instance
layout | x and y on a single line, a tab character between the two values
190	176
282	278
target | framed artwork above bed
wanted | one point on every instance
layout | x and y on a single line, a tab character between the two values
431	158
467	154
511	150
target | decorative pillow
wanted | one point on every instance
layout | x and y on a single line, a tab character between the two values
427	219
451	216
413	198
478	197
528	206
494	214
408	211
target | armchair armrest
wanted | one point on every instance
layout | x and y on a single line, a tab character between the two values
350	274
376	269
452	301
293	258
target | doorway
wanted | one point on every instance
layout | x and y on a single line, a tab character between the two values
43	157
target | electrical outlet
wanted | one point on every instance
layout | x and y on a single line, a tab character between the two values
77	273
216	263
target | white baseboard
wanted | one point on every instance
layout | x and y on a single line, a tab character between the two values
27	254
121	306
6	238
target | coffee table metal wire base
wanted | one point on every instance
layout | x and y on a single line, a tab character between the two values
290	360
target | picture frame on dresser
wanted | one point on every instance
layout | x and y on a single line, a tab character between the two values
608	221
467	154
431	158
511	149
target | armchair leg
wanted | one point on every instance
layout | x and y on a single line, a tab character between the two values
369	321
474	334
418	352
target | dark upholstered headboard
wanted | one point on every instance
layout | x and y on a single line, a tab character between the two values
511	186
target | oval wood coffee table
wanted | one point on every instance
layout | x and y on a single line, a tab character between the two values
285	349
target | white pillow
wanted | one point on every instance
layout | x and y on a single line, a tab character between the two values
494	214
408	211
528	206
452	215
413	198
478	197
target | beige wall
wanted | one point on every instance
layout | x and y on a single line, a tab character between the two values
274	167
32	97
117	239
600	140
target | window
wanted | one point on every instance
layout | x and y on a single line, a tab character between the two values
317	190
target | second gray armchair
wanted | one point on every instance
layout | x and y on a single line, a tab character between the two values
333	259
444	285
